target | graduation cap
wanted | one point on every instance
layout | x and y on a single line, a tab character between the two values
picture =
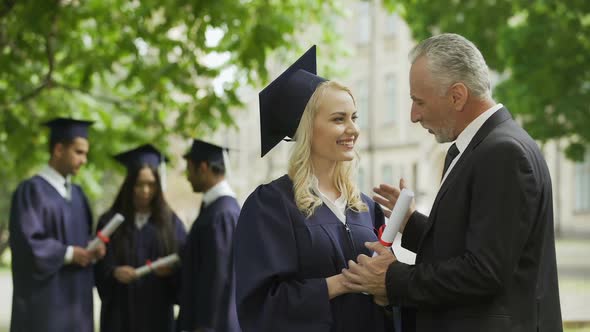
204	151
283	101
66	128
146	154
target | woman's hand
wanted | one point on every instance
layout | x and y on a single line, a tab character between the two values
125	274
164	271
336	286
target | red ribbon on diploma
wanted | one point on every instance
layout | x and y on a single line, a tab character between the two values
148	263
105	239
385	244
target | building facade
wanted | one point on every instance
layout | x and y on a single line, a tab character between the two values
390	146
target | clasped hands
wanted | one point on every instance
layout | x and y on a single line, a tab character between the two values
367	274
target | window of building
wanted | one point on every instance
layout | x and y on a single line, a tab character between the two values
361	179
582	184
364	22
391	25
387	174
362	103
390	99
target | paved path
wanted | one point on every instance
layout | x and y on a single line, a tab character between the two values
573	257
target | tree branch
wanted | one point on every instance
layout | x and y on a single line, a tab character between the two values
50	53
102	98
6	7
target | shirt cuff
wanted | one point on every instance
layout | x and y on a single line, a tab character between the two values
69	257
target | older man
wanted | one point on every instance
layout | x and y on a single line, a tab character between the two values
486	253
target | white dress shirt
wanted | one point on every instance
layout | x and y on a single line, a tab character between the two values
218	190
141	219
338	207
468	133
56	180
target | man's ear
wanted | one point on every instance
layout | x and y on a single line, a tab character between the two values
203	166
58	150
458	93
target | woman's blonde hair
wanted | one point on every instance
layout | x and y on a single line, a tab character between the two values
301	168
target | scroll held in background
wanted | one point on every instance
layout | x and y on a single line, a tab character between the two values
104	234
160	262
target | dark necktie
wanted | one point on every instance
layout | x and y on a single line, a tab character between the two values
451	154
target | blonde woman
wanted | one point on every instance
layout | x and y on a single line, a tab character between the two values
297	233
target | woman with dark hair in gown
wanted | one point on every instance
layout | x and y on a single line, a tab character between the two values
151	230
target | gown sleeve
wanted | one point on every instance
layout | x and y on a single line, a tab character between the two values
271	296
214	282
176	279
31	241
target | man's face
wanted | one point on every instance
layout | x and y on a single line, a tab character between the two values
431	107
196	175
71	157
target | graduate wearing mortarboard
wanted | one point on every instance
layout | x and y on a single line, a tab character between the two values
296	234
207	301
151	230
50	226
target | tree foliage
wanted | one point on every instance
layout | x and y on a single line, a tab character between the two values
142	70
540	47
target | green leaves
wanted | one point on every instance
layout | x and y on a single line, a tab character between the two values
142	70
543	47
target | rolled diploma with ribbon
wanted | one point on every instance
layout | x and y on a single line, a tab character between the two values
103	234
160	262
388	231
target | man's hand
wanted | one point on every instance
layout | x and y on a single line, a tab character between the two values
387	196
99	252
380	300
368	274
82	257
125	274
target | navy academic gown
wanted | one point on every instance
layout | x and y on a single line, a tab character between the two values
208	280
282	260
48	295
146	304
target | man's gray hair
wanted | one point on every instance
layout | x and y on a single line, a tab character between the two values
452	58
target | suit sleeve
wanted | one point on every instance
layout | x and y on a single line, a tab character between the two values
271	296
498	226
30	241
413	231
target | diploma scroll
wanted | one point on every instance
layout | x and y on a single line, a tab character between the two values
103	234
388	231
160	262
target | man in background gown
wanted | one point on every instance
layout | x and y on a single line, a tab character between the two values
50	226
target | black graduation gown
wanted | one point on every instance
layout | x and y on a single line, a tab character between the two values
208	280
282	260
48	295
145	305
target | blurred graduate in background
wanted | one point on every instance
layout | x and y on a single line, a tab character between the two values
208	293
151	230
50	226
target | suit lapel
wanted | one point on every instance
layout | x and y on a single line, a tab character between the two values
496	119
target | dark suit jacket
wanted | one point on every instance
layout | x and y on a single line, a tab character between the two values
486	254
